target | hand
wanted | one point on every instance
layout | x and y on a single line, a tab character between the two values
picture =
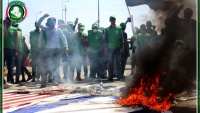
46	15
66	49
16	53
75	22
128	19
122	50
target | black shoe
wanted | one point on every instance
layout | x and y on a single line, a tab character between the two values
49	81
12	81
121	78
110	79
42	86
23	80
54	83
33	80
79	79
17	82
29	78
104	77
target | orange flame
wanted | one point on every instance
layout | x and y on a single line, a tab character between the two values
146	95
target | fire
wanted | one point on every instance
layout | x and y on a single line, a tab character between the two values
146	94
45	92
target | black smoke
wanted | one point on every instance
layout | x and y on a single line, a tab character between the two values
164	55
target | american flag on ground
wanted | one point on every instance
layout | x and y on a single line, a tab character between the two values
12	100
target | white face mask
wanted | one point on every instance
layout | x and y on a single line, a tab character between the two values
95	30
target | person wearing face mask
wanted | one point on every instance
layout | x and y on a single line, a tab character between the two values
95	42
52	50
79	52
114	45
10	48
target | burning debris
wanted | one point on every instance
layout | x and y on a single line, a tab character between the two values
45	92
22	92
146	94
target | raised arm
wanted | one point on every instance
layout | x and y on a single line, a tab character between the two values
40	21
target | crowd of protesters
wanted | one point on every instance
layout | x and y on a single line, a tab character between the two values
50	46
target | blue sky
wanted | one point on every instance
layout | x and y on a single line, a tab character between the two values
85	10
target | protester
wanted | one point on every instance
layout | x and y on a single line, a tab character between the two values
85	52
114	44
188	29
125	54
103	57
95	42
79	52
150	29
25	53
64	56
51	52
18	58
10	48
34	39
143	38
5	34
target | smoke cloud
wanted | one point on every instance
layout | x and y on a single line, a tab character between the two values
164	55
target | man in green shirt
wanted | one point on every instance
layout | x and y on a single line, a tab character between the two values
25	52
34	39
79	51
95	42
18	58
10	48
114	44
143	38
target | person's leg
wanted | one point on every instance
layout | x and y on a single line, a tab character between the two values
110	64
10	60
69	62
46	66
78	67
6	85
72	67
56	64
22	70
5	62
92	66
33	64
118	63
123	63
44	80
64	56
133	63
84	61
18	66
98	68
